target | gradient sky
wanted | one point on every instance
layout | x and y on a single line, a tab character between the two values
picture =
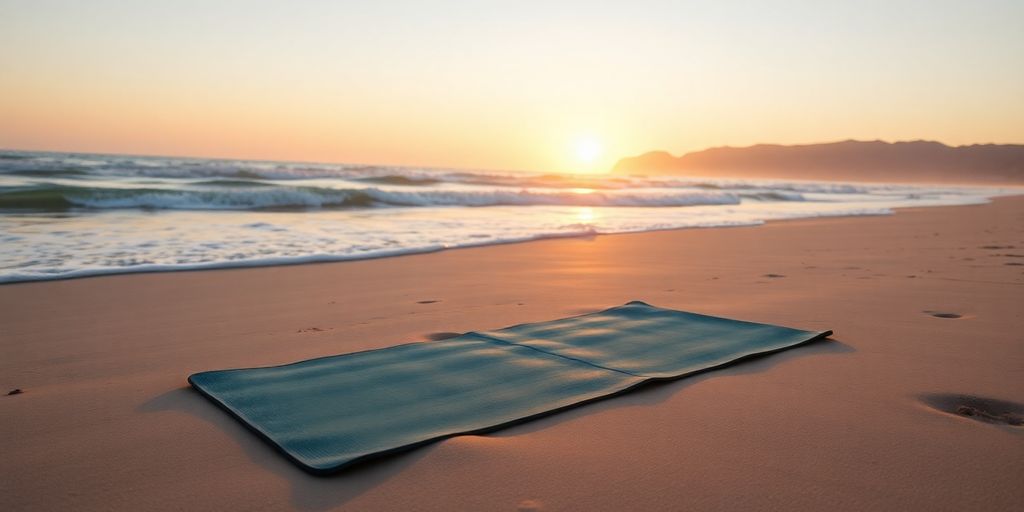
512	85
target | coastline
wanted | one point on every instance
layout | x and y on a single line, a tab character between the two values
105	420
67	217
325	258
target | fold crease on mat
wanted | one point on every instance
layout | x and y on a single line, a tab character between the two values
328	413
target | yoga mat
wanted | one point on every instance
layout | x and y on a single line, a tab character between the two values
328	413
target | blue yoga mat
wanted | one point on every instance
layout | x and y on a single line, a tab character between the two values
328	413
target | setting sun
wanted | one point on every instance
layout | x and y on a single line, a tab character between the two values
587	150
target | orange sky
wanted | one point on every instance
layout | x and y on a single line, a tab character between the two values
513	87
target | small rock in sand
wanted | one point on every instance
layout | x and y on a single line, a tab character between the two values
530	506
964	410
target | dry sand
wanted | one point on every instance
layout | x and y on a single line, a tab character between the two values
106	421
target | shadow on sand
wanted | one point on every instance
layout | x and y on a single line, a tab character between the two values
309	492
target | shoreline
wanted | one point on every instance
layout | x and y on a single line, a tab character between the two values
326	259
922	302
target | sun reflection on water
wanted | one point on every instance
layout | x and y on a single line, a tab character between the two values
585	214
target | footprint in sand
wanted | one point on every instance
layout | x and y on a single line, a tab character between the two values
987	410
940	314
438	336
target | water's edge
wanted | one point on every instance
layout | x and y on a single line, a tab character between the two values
322	259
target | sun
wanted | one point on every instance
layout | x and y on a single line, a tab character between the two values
588	150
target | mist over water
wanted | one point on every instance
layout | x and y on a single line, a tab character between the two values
64	215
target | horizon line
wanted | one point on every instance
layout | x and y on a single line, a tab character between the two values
492	169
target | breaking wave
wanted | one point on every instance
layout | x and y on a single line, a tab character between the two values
53	166
232	195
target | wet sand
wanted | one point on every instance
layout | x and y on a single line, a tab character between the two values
911	405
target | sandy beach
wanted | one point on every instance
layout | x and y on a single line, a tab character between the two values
927	301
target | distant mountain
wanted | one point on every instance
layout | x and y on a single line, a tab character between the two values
846	160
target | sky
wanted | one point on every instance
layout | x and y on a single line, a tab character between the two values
549	86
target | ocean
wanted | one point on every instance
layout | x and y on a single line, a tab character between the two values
71	215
